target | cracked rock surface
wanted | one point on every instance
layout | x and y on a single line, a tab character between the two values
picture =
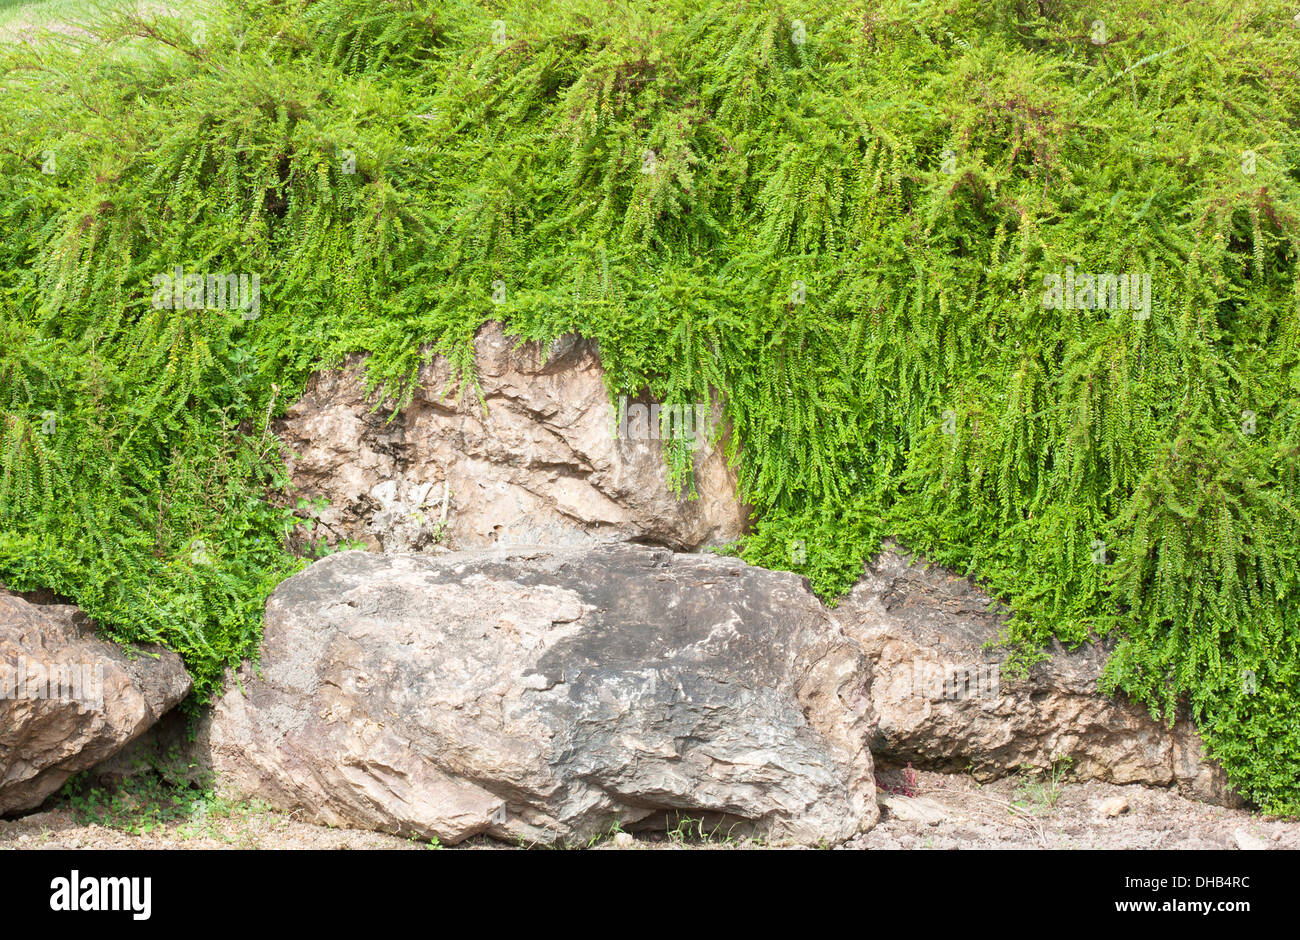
942	702
544	695
69	699
537	460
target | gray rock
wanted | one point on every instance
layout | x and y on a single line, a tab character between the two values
546	694
68	699
941	701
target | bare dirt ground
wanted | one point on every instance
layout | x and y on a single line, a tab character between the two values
247	829
950	811
943	811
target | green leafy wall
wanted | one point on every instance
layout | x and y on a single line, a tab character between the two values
658	176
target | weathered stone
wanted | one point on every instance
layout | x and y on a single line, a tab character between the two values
547	694
941	701
1115	806
68	699
915	809
538	460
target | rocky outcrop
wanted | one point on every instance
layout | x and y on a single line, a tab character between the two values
542	458
68	699
546	694
941	701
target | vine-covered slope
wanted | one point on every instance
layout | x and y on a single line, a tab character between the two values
872	226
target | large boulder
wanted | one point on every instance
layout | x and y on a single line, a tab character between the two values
536	455
547	694
68	699
941	700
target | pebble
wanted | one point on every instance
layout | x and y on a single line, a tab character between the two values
1115	806
1248	842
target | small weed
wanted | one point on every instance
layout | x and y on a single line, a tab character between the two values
1039	790
910	785
690	831
614	829
161	795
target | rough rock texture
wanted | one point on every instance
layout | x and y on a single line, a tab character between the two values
545	694
537	461
941	703
69	699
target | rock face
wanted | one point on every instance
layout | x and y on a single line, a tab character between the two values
940	700
69	700
539	460
546	694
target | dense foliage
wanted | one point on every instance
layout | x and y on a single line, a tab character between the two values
843	216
